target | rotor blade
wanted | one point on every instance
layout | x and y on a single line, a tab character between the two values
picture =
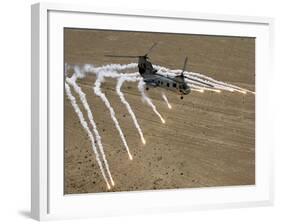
184	65
121	56
150	49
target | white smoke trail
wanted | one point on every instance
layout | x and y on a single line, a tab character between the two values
189	81
85	126
191	77
79	72
203	89
197	90
109	68
99	93
202	79
216	84
166	100
236	88
208	83
82	95
148	100
120	82
196	81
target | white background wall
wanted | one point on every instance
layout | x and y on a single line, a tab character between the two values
15	110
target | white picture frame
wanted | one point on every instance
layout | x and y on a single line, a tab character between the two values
48	201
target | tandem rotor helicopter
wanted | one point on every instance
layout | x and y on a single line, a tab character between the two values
153	79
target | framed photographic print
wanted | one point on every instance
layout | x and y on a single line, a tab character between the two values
148	111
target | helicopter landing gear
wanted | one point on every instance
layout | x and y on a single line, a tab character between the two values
181	97
147	88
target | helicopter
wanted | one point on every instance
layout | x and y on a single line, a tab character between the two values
153	79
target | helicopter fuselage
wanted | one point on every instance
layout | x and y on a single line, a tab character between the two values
153	79
169	83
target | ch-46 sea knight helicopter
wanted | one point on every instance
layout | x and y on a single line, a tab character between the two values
153	79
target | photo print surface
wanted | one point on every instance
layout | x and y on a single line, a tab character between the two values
151	111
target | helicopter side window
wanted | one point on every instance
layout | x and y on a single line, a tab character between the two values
175	85
168	84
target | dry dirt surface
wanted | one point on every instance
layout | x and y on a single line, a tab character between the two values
208	139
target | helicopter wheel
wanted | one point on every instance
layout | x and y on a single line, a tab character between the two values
147	88
181	97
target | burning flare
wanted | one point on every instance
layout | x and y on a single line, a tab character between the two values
166	100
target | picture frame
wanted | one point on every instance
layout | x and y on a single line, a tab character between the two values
47	198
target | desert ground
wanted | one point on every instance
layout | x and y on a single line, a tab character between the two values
208	139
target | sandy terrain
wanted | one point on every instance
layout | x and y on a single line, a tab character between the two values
208	139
